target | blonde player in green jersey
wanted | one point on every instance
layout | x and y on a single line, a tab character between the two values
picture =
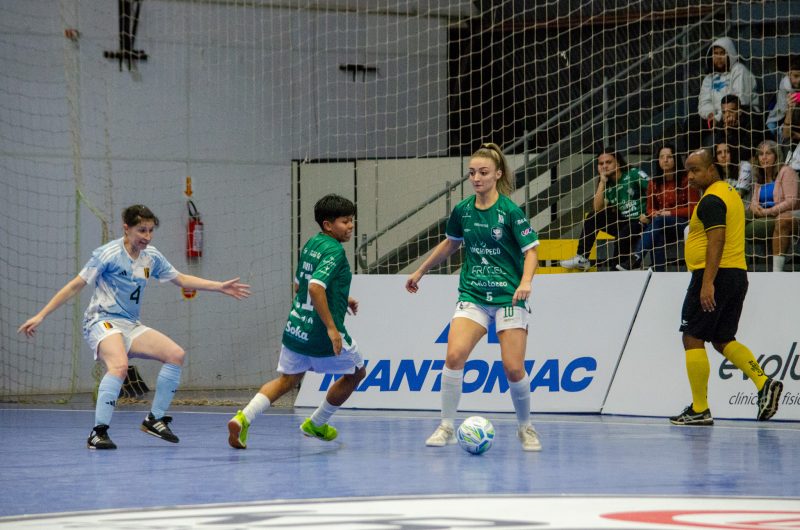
315	337
499	263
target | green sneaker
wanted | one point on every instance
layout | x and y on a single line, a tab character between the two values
323	432
237	431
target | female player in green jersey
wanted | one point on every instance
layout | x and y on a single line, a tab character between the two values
499	263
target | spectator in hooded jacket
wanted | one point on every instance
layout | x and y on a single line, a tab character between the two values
727	75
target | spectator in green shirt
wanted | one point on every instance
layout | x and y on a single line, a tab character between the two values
619	209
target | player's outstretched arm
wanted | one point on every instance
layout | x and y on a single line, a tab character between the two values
73	287
232	287
442	251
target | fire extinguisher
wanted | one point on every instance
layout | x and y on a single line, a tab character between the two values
194	232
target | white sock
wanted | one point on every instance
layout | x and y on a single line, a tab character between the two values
521	398
451	394
257	405
323	413
777	263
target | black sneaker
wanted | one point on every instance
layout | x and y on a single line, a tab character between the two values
768	398
159	428
690	417
98	438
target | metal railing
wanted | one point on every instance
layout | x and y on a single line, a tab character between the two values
530	165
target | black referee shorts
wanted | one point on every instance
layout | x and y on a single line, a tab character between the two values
720	325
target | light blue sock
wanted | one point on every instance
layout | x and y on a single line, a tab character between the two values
521	397
168	380
107	394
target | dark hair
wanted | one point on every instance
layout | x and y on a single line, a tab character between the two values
731	98
331	207
135	214
619	157
734	148
794	62
657	171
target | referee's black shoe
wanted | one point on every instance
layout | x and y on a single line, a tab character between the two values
690	417
768	398
159	428
98	438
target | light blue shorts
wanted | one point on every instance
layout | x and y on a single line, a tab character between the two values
347	362
95	333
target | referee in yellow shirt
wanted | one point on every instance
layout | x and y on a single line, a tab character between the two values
714	300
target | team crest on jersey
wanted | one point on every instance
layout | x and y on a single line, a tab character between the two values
497	233
147	272
107	325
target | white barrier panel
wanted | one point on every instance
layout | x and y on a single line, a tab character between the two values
652	381
577	330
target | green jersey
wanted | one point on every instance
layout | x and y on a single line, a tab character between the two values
495	241
629	194
322	261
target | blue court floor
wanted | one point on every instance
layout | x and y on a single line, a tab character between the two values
46	468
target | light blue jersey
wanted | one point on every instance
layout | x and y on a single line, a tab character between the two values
119	280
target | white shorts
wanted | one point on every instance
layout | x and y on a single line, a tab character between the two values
347	362
95	333
503	317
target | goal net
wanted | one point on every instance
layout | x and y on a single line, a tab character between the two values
268	105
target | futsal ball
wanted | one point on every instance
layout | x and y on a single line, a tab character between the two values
475	435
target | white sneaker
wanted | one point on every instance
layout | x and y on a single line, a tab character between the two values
529	438
578	262
443	435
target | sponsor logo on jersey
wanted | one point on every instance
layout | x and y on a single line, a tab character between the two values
526	231
147	272
295	331
501	218
107	325
481	270
123	273
482	251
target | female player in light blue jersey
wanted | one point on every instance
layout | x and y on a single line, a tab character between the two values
499	263
119	271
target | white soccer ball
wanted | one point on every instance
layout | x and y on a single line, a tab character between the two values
475	435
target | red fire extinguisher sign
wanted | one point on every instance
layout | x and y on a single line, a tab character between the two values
194	232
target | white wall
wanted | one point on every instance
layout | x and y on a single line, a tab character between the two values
229	95
592	347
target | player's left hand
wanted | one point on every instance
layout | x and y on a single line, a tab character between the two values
235	289
352	304
707	298
521	294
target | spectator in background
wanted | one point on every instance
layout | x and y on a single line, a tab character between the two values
619	209
736	126
670	202
727	76
735	171
773	203
779	121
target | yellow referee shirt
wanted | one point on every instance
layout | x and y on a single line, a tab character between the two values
720	206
